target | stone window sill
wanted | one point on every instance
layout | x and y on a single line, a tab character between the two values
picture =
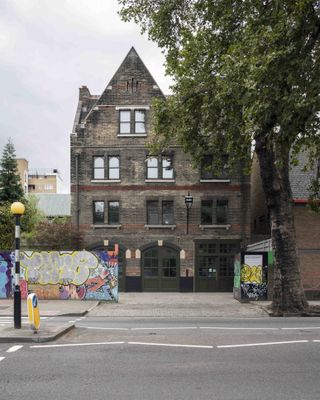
172	227
226	227
105	226
127	135
160	180
105	180
215	180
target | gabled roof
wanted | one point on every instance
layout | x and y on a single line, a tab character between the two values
131	71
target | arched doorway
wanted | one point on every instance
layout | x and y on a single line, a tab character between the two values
121	261
160	268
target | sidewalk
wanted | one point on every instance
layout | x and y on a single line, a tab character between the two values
48	308
131	305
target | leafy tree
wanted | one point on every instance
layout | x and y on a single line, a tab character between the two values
58	234
29	221
10	185
245	72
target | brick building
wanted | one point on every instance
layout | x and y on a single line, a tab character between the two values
121	194
307	222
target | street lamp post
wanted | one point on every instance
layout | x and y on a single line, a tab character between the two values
17	209
188	199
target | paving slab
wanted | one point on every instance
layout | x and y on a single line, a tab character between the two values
179	305
47	308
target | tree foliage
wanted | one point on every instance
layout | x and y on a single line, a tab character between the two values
10	185
58	234
29	222
244	72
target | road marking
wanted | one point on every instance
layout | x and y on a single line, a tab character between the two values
165	328
2	358
171	345
72	322
235	328
316	341
301	328
14	348
261	344
73	345
101	328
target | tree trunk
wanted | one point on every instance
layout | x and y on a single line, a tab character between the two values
288	293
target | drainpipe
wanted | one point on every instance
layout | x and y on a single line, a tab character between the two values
77	195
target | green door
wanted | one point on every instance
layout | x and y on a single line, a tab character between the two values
215	266
160	269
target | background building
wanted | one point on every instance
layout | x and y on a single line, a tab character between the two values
122	194
23	168
307	222
43	180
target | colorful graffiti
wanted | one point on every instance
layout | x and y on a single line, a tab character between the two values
253	284
6	265
80	275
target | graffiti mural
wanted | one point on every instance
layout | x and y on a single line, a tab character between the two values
253	284
80	275
6	265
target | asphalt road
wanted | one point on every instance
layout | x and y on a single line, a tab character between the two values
169	359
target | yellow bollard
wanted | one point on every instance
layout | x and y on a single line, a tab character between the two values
33	312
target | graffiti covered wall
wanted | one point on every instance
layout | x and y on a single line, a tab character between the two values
6	266
253	282
80	275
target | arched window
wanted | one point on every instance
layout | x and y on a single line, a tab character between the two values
114	167
98	168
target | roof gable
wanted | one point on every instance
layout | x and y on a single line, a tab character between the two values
131	84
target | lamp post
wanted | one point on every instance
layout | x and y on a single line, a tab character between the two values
17	209
188	199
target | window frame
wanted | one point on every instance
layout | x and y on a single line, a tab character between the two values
106	168
209	174
117	222
94	168
132	122
214	211
159	211
160	168
109	168
95	220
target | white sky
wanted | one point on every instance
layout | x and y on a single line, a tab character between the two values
49	48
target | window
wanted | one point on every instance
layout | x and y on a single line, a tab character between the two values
125	121
167	213
98	212
222	211
132	122
214	212
152	212
160	211
208	171
159	168
139	122
98	168
113	167
152	168
113	213
207	212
